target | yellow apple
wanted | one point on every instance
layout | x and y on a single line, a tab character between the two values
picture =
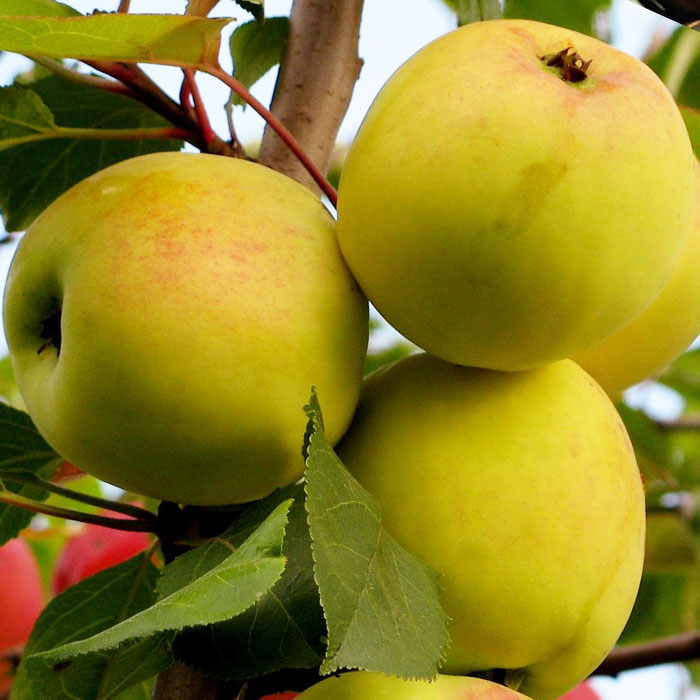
167	318
363	685
663	331
521	490
506	203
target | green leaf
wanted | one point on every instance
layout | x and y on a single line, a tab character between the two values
8	385
469	11
220	593
692	121
34	174
579	15
382	605
684	375
36	8
22	114
22	449
85	609
284	629
666	604
166	39
671	544
256	48
677	63
653	451
376	359
255	7
141	691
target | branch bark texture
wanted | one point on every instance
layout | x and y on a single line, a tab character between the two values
315	83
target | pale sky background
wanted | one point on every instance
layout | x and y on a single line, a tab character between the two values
391	31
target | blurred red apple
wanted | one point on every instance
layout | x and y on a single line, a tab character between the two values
21	601
288	695
95	548
583	691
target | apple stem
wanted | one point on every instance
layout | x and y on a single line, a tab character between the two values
116	506
13	499
277	126
199	109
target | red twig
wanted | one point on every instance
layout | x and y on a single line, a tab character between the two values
202	116
278	127
186	94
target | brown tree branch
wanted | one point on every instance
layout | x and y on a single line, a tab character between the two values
682	647
315	83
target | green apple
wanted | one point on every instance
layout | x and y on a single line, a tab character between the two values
363	685
506	203
167	318
664	330
521	490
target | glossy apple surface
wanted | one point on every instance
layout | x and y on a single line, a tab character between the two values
362	685
521	490
502	216
167	318
94	549
663	331
583	691
21	601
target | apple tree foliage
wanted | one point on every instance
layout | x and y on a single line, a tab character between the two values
252	593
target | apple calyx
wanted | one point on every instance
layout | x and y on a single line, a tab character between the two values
572	67
51	331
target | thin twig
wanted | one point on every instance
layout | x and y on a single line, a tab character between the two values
199	109
681	647
682	423
278	127
116	506
29	504
124	6
186	94
148	93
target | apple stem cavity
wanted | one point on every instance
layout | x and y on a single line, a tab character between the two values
572	68
51	330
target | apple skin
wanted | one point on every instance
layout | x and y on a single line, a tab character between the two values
521	490
22	600
363	685
501	217
288	695
201	298
94	549
583	691
664	330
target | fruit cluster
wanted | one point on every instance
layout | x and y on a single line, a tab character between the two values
168	316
